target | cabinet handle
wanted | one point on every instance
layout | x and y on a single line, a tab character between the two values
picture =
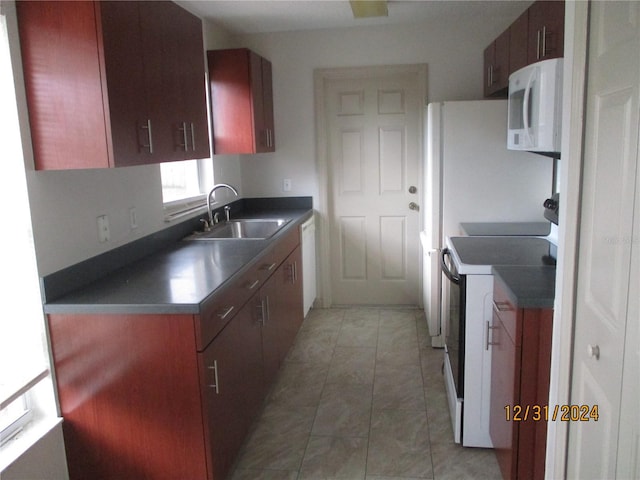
260	309
268	312
147	127
253	285
184	145
268	268
295	272
215	383
487	342
544	41
193	137
501	306
225	313
538	45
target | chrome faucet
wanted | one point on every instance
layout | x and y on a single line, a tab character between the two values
211	193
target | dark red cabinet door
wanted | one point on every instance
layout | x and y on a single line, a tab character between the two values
232	388
241	101
546	30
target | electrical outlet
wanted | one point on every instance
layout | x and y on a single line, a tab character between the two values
286	185
133	218
103	229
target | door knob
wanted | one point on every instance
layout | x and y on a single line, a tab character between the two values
414	206
412	189
593	351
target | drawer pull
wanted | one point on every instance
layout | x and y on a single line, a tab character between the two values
253	285
268	268
214	385
501	306
225	313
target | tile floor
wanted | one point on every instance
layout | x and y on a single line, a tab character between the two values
361	396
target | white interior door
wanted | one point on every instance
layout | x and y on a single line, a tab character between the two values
374	135
606	343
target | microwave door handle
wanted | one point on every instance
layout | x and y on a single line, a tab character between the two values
525	107
445	269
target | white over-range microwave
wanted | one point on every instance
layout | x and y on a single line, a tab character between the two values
535	108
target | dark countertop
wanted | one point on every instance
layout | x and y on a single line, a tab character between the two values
177	279
527	286
476	255
533	229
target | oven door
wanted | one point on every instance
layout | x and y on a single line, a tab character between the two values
453	309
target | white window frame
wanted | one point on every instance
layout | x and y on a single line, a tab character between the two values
180	208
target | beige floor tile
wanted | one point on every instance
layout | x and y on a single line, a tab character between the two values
344	410
353	335
299	384
399	444
265	475
352	365
362	317
451	461
398	387
334	458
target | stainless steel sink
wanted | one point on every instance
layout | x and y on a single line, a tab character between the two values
258	228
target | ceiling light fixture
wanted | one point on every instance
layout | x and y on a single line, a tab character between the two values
369	8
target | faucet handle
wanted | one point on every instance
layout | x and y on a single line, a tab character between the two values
207	227
227	212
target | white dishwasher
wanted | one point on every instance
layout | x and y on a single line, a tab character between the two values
308	234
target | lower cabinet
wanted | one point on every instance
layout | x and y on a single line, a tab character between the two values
232	387
282	312
170	396
520	375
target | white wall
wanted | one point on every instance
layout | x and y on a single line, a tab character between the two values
452	50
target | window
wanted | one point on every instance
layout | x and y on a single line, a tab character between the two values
27	404
185	186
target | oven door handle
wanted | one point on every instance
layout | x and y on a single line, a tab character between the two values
454	278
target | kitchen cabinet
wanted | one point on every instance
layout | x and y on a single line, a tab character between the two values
281	312
241	101
518	38
537	34
113	84
520	375
174	395
496	62
232	388
546	30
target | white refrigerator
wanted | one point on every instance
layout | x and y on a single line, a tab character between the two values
470	176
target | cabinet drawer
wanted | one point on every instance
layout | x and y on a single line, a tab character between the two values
277	254
224	305
507	312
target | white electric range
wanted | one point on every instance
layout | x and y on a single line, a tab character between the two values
468	313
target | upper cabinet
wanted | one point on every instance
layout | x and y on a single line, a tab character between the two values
496	61
241	102
113	84
518	43
546	31
537	34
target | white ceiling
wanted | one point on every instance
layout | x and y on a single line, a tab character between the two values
260	16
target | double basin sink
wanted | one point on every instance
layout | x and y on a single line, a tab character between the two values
247	229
